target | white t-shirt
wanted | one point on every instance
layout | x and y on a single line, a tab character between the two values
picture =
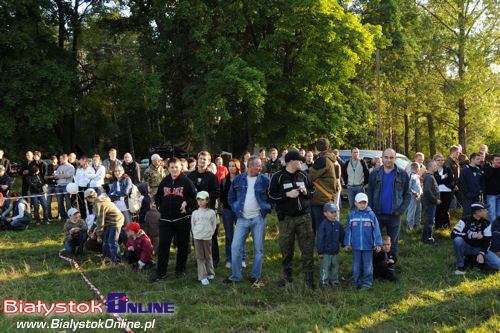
443	187
251	207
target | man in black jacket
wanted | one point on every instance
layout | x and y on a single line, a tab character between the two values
5	183
204	180
291	190
472	237
132	168
175	198
25	171
5	162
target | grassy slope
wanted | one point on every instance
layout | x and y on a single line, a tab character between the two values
428	297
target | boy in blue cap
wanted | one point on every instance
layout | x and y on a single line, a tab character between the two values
330	237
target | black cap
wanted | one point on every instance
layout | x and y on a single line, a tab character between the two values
478	206
294	156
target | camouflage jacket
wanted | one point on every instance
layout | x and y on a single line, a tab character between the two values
153	176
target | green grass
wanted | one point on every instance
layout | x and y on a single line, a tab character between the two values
428	297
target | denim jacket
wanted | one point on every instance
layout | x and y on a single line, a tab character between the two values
238	192
415	187
125	190
401	190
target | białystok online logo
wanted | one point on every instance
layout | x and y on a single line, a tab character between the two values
116	303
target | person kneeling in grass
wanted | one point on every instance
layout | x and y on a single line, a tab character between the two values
75	230
139	247
383	261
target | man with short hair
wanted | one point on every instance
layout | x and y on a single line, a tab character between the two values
24	172
472	237
132	168
64	175
487	157
491	181
5	183
5	162
248	199
323	175
154	174
204	180
462	158
470	183
110	164
355	174
389	195
274	164
291	188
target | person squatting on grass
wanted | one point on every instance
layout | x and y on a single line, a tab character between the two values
471	237
362	235
203	224
17	216
75	232
139	248
330	237
248	199
383	261
291	188
109	221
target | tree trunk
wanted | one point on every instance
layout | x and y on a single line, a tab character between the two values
407	135
130	136
432	134
462	125
417	134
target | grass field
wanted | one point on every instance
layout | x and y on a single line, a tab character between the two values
428	297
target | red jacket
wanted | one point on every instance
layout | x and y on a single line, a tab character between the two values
222	172
142	247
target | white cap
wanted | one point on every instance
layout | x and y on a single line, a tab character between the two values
155	157
72	211
361	197
88	192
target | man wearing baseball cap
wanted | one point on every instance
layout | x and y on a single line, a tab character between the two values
291	188
154	174
472	237
139	248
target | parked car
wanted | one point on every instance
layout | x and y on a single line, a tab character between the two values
144	164
367	155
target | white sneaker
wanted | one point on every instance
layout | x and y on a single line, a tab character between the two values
228	264
205	282
210	277
243	264
460	271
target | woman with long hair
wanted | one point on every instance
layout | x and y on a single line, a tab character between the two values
82	179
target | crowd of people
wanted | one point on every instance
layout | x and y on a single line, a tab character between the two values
180	198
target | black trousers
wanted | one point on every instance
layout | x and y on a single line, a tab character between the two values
81	202
181	230
442	219
382	270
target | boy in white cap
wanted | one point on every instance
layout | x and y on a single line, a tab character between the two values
362	236
203	224
75	231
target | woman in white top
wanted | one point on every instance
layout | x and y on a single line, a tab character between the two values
444	178
98	174
82	179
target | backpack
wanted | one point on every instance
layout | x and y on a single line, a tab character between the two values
134	205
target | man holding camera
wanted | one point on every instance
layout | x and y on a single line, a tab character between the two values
291	190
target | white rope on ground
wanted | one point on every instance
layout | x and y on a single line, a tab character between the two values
72	261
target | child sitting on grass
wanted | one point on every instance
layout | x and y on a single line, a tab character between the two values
75	230
139	247
330	237
383	261
362	236
203	223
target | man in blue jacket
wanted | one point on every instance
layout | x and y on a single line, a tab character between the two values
389	195
470	183
249	201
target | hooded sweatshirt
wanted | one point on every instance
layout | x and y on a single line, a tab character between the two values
362	231
70	225
142	247
145	202
322	173
107	214
172	192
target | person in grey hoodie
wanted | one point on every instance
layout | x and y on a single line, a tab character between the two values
64	175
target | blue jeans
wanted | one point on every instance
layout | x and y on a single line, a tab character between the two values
257	226
430	213
61	198
50	190
362	260
351	194
494	211
463	249
35	201
110	248
414	213
393	226
317	217
229	220
78	240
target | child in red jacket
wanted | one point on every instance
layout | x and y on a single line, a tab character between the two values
139	247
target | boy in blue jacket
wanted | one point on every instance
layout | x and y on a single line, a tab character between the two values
330	237
362	236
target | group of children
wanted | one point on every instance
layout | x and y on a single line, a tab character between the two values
371	252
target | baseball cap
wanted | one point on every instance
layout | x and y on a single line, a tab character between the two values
202	195
88	192
155	157
134	226
329	207
361	197
294	156
478	206
72	211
